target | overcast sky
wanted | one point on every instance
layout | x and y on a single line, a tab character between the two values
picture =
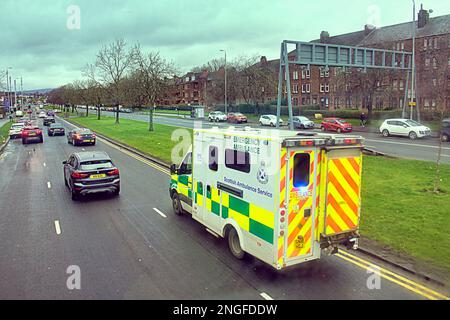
40	39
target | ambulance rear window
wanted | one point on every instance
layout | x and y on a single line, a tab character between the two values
237	160
301	170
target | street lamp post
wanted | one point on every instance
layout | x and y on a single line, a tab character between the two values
413	72
226	97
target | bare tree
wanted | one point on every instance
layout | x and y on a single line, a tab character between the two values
114	62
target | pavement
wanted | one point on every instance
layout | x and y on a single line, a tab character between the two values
134	247
422	149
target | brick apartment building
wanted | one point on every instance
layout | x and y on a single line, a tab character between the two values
320	86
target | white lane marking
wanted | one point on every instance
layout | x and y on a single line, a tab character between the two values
265	296
49	185
57	227
44	164
160	213
407	144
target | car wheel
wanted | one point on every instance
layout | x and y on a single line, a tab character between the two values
444	138
210	120
65	180
75	195
385	133
116	193
302	127
413	135
322	128
339	130
272	124
217	119
24	141
260	123
42	140
176	204
235	245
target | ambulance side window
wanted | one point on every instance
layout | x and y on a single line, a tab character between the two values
186	166
213	158
237	160
302	162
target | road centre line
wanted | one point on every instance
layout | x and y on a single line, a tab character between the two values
49	185
57	227
160	213
265	296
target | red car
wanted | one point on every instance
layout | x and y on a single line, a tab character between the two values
32	133
336	124
237	117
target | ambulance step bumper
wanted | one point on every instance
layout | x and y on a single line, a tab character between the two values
348	239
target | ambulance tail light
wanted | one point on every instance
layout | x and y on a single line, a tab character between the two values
346	141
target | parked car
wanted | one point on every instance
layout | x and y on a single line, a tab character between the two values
303	123
336	124
48	121
32	133
217	116
16	130
91	172
42	115
269	120
404	127
126	110
236	117
81	136
445	134
56	129
50	113
19	114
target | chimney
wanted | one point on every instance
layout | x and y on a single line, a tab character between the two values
324	37
368	28
263	60
424	17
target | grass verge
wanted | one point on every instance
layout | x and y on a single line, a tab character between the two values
397	212
135	134
4	132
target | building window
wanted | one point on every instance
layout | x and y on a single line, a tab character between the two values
327	88
436	43
449	61
427	103
398	46
427	62
303	88
295	75
308	88
395	85
402	85
425	43
434	82
295	88
403	46
322	87
435	63
295	101
433	103
306	73
237	160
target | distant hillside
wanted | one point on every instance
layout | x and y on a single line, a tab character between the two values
38	91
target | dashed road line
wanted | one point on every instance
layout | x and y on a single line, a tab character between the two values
160	213
265	296
49	185
57	227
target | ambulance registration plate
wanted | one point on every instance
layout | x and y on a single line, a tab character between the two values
300	242
98	176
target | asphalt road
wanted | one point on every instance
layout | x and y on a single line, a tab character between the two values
424	149
127	250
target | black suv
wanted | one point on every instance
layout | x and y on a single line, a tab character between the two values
445	136
48	121
91	172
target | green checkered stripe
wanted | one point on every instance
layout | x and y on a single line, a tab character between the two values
181	183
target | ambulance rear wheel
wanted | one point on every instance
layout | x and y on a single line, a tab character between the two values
176	204
235	245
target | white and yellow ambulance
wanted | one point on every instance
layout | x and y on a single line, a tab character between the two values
281	196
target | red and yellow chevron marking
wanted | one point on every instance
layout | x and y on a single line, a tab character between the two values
319	171
283	170
343	199
298	226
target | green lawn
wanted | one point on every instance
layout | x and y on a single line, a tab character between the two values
135	134
397	212
4	132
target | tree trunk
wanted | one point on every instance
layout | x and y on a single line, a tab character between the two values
87	110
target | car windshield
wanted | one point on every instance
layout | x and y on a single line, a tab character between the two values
413	123
303	119
58	126
96	165
17	125
238	114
